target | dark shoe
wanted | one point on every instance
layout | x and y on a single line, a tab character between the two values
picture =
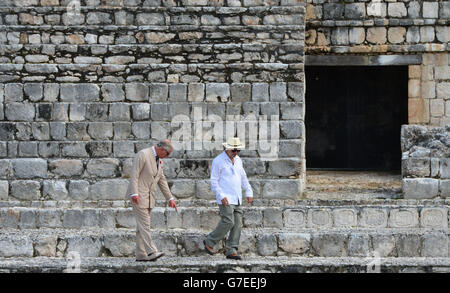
208	249
154	256
234	256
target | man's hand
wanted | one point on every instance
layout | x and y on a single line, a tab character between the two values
225	201
135	199
249	200
172	204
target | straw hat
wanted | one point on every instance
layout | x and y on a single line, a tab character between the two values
233	143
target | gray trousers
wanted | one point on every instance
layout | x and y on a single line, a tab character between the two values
231	221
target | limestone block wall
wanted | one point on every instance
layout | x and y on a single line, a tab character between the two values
426	161
86	84
377	26
391	28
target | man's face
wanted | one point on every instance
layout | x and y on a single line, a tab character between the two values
232	153
162	153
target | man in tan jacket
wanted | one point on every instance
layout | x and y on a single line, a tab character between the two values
147	171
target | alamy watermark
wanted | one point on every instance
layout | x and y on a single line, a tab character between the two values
260	133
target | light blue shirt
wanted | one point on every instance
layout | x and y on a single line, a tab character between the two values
228	179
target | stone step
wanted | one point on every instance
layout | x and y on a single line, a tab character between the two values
263	242
219	264
206	217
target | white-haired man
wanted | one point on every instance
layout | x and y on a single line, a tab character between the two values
147	171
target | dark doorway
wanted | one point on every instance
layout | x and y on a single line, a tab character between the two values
354	116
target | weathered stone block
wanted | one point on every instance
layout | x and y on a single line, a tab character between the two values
86	246
408	245
160	112
29	168
191	219
55	190
284	167
79	189
260	92
25	190
101	130
20	112
241	92
66	168
333	11
112	189
376	35
112	92
281	189
79	92
344	217
358	245
182	188
4	190
9	218
266	244
13	92
150	19
97	112
278	92
291	111
273	218
320	218
136	92
45	245
141	130
41	130
177	92
49	218
122	130
33	91
294	218
383	245
217	92
140	111
397	10
374	218
420	188
444	188
403	218
119	112
15	246
106	167
120	245
27	219
158	92
433	218
445	168
330	245
297	243
435	244
73	219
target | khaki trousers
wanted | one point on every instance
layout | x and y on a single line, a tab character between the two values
231	221
144	243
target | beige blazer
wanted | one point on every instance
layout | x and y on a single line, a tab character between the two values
145	176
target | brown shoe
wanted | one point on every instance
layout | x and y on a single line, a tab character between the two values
234	256
208	249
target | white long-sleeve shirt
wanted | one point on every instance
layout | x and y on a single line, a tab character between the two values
228	179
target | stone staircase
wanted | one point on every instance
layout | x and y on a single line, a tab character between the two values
278	236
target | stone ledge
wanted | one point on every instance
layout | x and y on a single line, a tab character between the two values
218	264
263	242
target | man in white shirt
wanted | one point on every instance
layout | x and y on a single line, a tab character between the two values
146	173
227	180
